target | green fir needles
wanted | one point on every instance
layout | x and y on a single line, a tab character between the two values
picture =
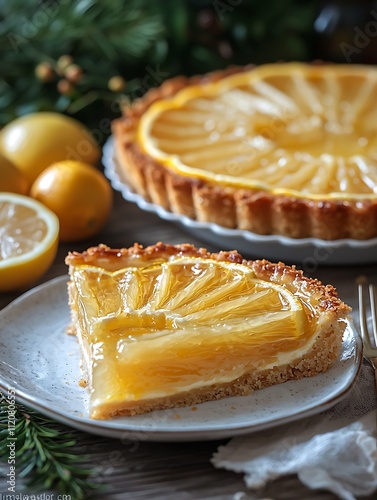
80	57
41	454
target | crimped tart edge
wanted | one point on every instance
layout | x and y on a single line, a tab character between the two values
323	353
257	211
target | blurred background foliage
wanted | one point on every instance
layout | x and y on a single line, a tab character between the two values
83	57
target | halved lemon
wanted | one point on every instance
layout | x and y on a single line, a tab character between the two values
308	131
29	235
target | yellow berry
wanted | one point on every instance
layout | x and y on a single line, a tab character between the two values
64	87
63	62
73	73
117	84
44	72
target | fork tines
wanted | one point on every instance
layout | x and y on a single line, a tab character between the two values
366	336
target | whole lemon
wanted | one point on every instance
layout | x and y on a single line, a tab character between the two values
11	178
35	141
79	194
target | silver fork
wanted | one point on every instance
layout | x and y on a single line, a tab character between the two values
369	338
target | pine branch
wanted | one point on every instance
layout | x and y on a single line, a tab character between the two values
131	39
45	455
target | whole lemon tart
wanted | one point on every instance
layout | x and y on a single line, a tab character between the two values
286	149
169	326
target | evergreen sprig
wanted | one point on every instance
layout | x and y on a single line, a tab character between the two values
131	40
44	455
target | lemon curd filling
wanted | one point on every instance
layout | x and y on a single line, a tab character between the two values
157	330
293	129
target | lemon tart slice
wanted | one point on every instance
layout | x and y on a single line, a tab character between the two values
168	326
287	149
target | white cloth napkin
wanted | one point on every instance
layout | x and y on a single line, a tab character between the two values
335	450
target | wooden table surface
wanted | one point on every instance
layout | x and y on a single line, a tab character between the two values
179	471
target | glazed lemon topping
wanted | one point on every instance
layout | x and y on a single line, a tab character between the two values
309	131
188	322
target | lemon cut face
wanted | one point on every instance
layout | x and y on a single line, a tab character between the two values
293	129
29	236
173	326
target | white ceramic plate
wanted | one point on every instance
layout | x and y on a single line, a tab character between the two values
309	253
40	362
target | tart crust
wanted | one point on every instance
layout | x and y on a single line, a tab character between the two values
258	211
323	352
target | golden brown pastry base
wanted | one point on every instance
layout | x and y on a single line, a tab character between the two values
257	211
